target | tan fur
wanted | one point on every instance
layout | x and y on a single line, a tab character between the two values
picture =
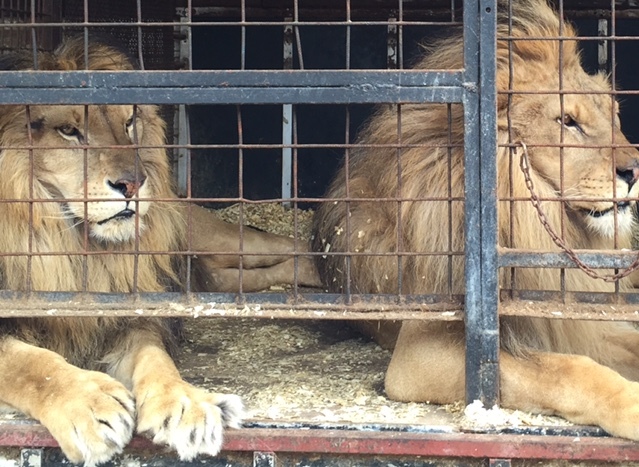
539	367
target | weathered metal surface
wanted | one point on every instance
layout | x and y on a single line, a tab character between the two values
550	304
384	443
230	87
311	306
594	259
557	309
480	207
458	445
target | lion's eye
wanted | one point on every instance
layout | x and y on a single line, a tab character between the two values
69	132
569	122
132	128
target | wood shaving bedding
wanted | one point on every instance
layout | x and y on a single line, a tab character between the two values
316	373
271	217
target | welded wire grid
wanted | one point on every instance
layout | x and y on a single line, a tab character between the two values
217	162
156	40
25	11
599	39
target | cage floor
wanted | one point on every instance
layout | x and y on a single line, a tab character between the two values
317	373
301	373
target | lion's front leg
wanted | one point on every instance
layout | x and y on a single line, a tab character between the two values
90	414
171	411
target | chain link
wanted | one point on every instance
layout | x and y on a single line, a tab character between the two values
524	164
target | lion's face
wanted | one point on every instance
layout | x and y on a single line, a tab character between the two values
596	170
116	189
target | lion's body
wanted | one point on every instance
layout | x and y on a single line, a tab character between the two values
428	360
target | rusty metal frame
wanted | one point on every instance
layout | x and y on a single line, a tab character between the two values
329	442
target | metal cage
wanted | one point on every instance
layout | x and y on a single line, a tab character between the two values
250	129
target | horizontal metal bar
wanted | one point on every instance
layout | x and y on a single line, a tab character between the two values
551	304
470	445
229	87
228	78
608	259
348	95
256	305
570	305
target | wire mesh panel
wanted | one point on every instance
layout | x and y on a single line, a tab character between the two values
405	169
14	12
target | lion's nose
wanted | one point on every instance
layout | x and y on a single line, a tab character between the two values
630	176
128	186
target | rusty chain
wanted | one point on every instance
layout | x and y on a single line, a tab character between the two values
524	164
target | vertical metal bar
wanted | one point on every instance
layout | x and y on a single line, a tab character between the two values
140	34
34	36
400	35
181	172
392	39
472	200
240	194
489	238
602	46
295	206
298	37
187	133
562	135
240	142
480	147
287	121
243	32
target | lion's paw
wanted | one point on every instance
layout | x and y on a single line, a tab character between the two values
188	419
91	416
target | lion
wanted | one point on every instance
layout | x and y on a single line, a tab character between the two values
584	371
78	186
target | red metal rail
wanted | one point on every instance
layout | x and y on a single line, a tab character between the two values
319	441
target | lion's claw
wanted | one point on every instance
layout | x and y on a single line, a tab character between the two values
188	419
97	423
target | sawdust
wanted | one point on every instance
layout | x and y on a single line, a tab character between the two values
314	373
271	217
478	418
297	371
